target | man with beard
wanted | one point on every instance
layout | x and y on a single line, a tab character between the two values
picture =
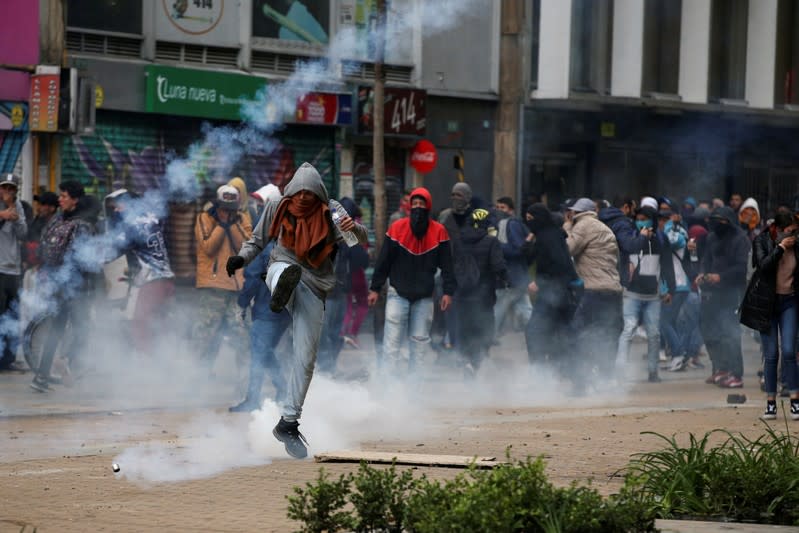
300	276
414	249
722	279
552	315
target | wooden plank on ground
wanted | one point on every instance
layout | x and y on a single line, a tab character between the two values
411	459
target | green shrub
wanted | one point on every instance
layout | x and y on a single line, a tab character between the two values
742	479
515	497
320	505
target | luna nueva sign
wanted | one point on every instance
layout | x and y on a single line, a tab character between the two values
199	93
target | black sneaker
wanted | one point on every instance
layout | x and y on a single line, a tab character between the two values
247	406
794	409
771	411
286	284
41	384
653	377
289	434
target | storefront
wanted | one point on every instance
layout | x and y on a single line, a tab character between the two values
194	115
615	150
405	122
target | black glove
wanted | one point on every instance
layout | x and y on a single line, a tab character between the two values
234	262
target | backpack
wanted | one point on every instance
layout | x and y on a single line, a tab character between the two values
56	240
502	230
466	271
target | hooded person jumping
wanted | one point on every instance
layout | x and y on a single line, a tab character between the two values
300	275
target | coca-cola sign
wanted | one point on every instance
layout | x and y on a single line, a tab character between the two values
424	157
404	111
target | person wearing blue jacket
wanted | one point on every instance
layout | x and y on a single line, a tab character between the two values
512	235
265	333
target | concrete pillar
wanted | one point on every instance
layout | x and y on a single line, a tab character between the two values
346	186
761	53
695	50
628	48
554	52
52	31
511	96
26	157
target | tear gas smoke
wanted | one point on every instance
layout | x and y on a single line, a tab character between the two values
337	415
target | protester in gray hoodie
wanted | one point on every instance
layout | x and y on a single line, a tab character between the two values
300	275
13	230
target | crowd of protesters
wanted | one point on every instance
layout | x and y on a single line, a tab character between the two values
581	281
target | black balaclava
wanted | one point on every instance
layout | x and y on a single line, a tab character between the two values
542	218
420	221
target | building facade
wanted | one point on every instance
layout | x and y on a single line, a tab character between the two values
675	97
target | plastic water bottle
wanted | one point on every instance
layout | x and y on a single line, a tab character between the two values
694	255
338	213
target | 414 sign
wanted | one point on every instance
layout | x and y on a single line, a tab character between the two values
404	111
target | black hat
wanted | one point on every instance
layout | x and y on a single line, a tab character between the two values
47	198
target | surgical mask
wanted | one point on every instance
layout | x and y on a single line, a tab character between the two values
420	220
643	224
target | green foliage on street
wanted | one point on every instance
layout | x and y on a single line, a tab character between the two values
512	497
739	479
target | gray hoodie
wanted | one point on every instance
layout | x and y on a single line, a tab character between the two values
320	280
12	234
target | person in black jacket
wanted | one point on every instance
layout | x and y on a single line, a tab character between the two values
548	328
415	247
721	279
770	306
474	305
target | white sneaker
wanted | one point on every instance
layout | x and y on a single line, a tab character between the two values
678	363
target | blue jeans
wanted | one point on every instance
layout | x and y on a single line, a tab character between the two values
783	323
513	299
331	342
307	312
404	317
649	313
669	325
265	334
688	325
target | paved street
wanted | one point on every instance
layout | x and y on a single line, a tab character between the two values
188	465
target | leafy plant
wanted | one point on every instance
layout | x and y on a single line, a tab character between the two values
513	497
379	498
741	479
320	505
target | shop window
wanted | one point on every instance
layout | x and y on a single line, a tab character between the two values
729	20
122	16
591	33
535	38
661	46
785	84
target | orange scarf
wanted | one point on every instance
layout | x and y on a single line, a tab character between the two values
305	229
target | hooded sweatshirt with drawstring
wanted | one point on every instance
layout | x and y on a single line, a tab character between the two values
320	279
410	261
726	251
